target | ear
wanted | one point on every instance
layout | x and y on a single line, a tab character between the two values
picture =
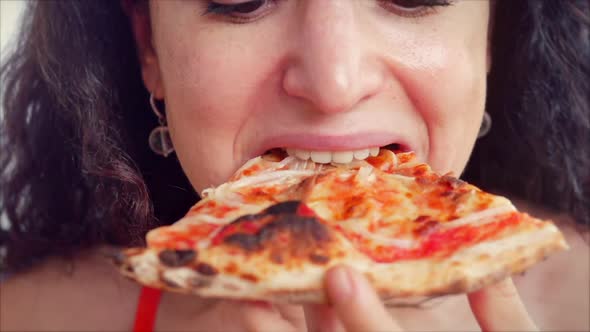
139	16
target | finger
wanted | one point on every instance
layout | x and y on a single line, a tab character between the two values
356	303
259	316
499	308
320	318
293	314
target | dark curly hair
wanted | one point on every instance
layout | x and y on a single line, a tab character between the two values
76	172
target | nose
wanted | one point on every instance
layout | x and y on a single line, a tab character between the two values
331	65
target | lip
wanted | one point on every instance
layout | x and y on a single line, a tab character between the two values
348	142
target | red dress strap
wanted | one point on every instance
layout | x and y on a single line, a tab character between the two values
147	309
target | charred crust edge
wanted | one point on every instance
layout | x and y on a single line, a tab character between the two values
206	269
176	258
288	207
319	259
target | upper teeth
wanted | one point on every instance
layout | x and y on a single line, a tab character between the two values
326	157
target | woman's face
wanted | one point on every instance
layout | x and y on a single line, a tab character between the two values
320	75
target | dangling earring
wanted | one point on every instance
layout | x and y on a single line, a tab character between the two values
486	125
159	139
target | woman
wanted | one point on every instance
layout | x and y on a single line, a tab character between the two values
236	78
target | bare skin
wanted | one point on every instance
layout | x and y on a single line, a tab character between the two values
327	75
96	297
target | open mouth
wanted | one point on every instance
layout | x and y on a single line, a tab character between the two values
339	157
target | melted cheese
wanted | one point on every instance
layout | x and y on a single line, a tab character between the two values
359	227
379	202
480	218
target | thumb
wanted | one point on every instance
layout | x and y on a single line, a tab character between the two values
356	303
499	308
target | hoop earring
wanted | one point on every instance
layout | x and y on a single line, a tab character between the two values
159	140
486	125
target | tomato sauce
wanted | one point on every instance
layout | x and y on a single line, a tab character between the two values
186	239
438	244
254	169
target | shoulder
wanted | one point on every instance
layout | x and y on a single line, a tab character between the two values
85	294
562	280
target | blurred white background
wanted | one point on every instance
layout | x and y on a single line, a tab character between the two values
10	11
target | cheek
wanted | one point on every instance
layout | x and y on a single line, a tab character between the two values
446	84
207	95
204	86
454	110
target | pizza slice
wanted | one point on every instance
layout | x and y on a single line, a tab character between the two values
273	230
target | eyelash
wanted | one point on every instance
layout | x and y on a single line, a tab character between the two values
420	7
232	11
243	12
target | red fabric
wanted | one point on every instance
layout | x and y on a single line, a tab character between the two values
147	309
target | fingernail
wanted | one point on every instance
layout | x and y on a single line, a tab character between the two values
339	284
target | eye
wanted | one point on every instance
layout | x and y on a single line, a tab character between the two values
242	12
413	8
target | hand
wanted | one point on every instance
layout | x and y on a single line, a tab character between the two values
355	307
498	308
260	316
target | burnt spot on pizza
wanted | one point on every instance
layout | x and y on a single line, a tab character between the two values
119	258
309	227
206	269
319	259
306	230
176	258
199	282
248	242
288	207
244	218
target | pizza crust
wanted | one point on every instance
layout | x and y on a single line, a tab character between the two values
468	269
465	271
